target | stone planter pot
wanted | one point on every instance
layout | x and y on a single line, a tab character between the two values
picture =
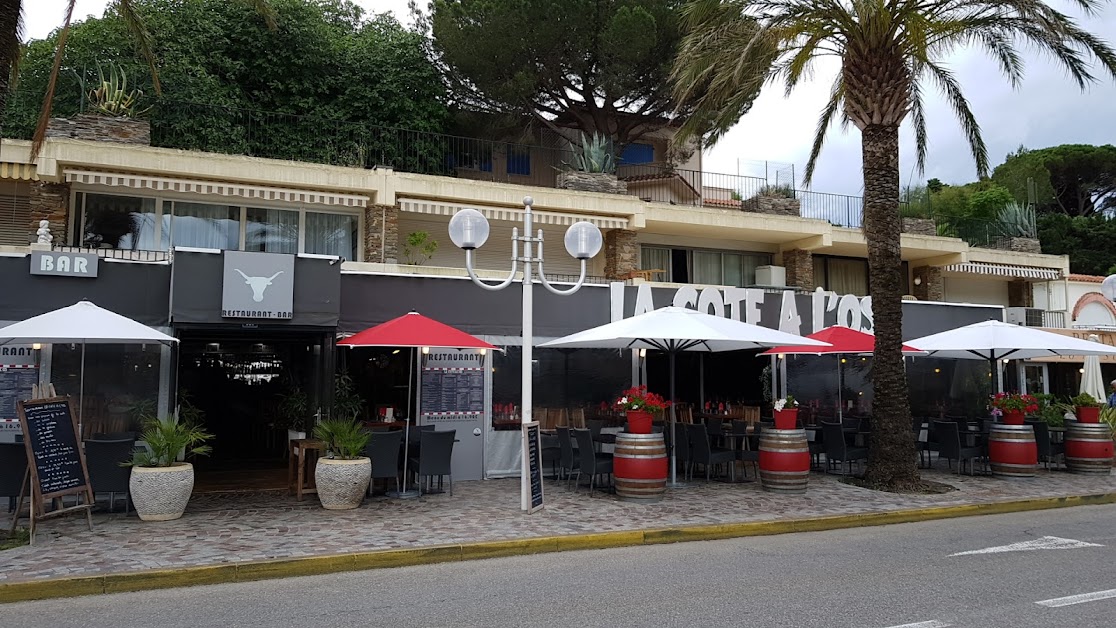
591	182
342	483
161	493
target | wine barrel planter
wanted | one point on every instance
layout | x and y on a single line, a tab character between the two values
1088	448
1012	451
639	467
784	460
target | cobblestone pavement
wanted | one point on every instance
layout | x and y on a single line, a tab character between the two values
233	527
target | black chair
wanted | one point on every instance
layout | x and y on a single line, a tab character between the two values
551	453
716	429
704	453
837	450
568	459
595	426
681	448
382	449
951	448
1047	451
13	466
114	435
435	457
107	473
589	461
744	451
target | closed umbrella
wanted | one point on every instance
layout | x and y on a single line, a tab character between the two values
675	329
1092	381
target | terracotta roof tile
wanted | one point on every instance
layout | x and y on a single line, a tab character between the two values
1085	278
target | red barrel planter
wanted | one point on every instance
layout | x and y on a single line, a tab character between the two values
784	460
639	421
1014	417
639	466
1088	414
1088	448
1012	451
786	419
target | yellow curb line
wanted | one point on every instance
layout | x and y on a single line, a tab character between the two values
380	559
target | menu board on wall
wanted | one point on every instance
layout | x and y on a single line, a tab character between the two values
50	435
452	383
15	385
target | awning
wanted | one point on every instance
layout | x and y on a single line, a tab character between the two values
219	188
510	214
22	172
1006	270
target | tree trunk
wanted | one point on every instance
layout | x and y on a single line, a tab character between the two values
9	46
891	454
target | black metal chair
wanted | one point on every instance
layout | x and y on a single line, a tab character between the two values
704	453
681	448
13	466
107	473
382	449
435	457
716	429
590	462
568	460
1047	451
951	448
551	453
837	450
744	451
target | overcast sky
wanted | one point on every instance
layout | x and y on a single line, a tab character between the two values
1047	110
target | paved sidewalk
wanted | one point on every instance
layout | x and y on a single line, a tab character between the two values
228	528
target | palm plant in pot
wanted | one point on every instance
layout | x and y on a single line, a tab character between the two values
1087	408
639	404
342	476
294	409
160	485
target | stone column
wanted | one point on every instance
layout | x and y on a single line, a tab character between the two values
50	201
927	283
381	234
800	268
1020	294
621	253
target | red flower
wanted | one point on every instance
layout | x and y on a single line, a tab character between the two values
638	398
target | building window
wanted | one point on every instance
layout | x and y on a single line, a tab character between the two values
204	226
271	230
636	153
719	268
519	160
332	234
655	258
120	222
843	275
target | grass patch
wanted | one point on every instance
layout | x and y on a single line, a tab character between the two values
922	487
21	537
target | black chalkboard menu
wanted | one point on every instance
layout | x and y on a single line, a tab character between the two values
54	455
534	464
452	390
15	384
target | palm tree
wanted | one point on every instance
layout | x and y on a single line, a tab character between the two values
10	32
889	51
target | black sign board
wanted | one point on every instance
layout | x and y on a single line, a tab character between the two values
533	457
449	390
55	459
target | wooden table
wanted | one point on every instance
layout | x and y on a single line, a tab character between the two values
299	481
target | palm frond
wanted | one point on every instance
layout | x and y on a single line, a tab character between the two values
48	98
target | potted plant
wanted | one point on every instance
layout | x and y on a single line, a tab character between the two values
1108	417
342	476
294	408
1014	407
160	485
786	413
638	404
419	247
1087	408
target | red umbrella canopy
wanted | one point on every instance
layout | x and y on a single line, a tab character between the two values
414	330
841	340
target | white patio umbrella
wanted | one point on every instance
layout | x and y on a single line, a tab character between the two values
85	323
1092	381
996	340
674	329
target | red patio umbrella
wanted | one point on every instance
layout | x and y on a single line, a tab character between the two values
842	340
413	330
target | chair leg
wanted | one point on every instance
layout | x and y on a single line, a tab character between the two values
451	484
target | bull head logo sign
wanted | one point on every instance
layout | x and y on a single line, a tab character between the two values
258	284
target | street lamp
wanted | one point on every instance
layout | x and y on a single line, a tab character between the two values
468	229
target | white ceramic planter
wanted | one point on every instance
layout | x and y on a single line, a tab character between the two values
342	483
161	493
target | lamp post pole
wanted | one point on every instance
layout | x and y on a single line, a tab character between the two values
468	229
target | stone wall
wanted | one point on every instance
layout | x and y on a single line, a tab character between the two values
49	201
381	234
591	182
101	129
1020	294
778	205
920	226
1023	245
800	268
621	253
927	284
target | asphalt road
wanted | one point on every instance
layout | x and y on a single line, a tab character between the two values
903	575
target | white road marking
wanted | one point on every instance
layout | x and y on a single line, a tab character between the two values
924	624
1045	543
1078	599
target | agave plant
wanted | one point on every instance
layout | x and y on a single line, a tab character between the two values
594	154
166	438
1016	221
112	97
344	438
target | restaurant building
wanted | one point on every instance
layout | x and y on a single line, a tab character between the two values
258	265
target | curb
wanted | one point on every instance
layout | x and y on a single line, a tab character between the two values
382	559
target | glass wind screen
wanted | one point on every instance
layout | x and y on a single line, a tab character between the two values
205	226
120	222
331	234
271	231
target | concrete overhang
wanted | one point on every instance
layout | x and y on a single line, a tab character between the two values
733	224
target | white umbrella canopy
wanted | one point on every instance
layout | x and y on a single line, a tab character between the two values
674	329
1092	381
